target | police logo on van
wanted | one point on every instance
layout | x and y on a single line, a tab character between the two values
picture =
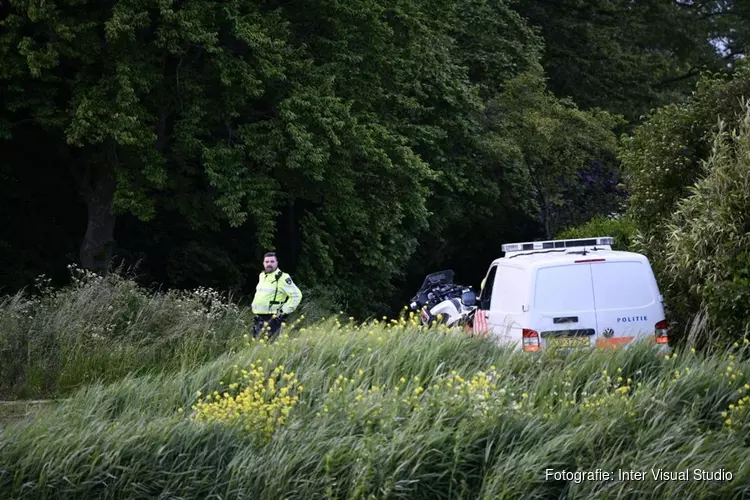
632	319
608	332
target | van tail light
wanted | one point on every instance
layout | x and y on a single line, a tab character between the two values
530	340
589	260
661	332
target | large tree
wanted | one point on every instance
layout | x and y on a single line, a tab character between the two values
501	167
727	23
623	56
366	141
554	142
133	96
226	104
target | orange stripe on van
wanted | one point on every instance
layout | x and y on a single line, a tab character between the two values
612	342
481	327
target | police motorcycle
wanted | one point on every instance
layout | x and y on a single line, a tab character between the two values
440	301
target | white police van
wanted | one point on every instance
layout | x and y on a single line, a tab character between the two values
576	292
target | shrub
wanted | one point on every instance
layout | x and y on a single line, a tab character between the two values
707	258
664	156
106	327
620	228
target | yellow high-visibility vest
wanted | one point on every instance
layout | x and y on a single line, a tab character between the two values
276	292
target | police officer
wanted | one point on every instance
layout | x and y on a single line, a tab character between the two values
276	296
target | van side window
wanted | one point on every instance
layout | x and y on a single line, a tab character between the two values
486	295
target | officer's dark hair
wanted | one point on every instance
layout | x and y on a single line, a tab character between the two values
269	254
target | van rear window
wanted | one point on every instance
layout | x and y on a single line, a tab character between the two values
564	288
622	285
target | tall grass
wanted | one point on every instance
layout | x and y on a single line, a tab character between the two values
104	328
392	411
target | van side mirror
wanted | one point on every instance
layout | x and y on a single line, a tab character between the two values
469	298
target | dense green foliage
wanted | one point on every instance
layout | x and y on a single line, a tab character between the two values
662	159
367	142
554	139
707	255
686	202
620	228
386	410
631	57
242	107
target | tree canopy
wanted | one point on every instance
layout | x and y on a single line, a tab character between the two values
685	171
631	57
368	142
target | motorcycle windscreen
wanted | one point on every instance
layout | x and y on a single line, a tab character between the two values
438	278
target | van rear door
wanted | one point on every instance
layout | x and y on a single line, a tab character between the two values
564	310
627	301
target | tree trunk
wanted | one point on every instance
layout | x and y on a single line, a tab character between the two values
293	235
98	242
544	211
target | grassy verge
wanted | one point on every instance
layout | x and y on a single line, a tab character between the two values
383	411
101	329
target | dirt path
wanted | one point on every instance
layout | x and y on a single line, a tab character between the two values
14	411
29	401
